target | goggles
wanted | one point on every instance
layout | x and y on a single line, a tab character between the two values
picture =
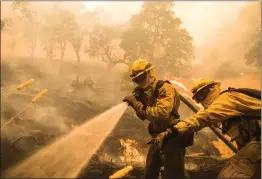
141	78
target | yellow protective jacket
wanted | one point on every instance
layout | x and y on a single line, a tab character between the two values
159	108
227	105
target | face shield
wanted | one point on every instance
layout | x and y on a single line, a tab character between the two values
140	79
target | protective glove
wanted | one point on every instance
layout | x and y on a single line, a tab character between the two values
131	100
141	114
161	139
181	127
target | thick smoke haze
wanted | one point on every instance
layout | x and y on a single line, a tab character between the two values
82	84
214	26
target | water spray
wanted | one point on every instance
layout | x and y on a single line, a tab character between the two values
65	157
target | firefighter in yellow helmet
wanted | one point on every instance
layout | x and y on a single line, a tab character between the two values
158	102
238	110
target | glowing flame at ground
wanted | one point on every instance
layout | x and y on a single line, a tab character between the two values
130	152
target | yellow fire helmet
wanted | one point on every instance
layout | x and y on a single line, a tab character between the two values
139	67
201	83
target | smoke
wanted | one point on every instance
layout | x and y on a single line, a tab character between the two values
223	56
84	141
219	29
62	107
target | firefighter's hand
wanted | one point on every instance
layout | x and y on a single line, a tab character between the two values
161	139
141	114
131	100
181	127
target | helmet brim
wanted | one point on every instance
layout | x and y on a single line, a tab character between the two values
142	72
215	83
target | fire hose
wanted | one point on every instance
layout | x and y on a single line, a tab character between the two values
121	173
218	134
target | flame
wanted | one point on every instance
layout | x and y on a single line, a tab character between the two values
105	157
130	152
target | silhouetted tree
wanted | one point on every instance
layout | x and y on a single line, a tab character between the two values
102	43
156	34
31	25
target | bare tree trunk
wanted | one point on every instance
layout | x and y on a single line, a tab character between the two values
77	51
33	48
62	47
77	56
61	50
13	47
76	47
50	51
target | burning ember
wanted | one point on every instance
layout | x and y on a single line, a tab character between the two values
130	152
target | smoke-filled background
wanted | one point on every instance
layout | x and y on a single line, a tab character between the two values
80	52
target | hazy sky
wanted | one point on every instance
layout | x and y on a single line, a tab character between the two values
202	19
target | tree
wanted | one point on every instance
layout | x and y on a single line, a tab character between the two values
48	34
14	25
252	56
156	34
2	25
250	15
103	44
31	25
12	32
135	43
75	37
74	34
62	29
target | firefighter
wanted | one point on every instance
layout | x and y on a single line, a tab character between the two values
158	102
238	110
